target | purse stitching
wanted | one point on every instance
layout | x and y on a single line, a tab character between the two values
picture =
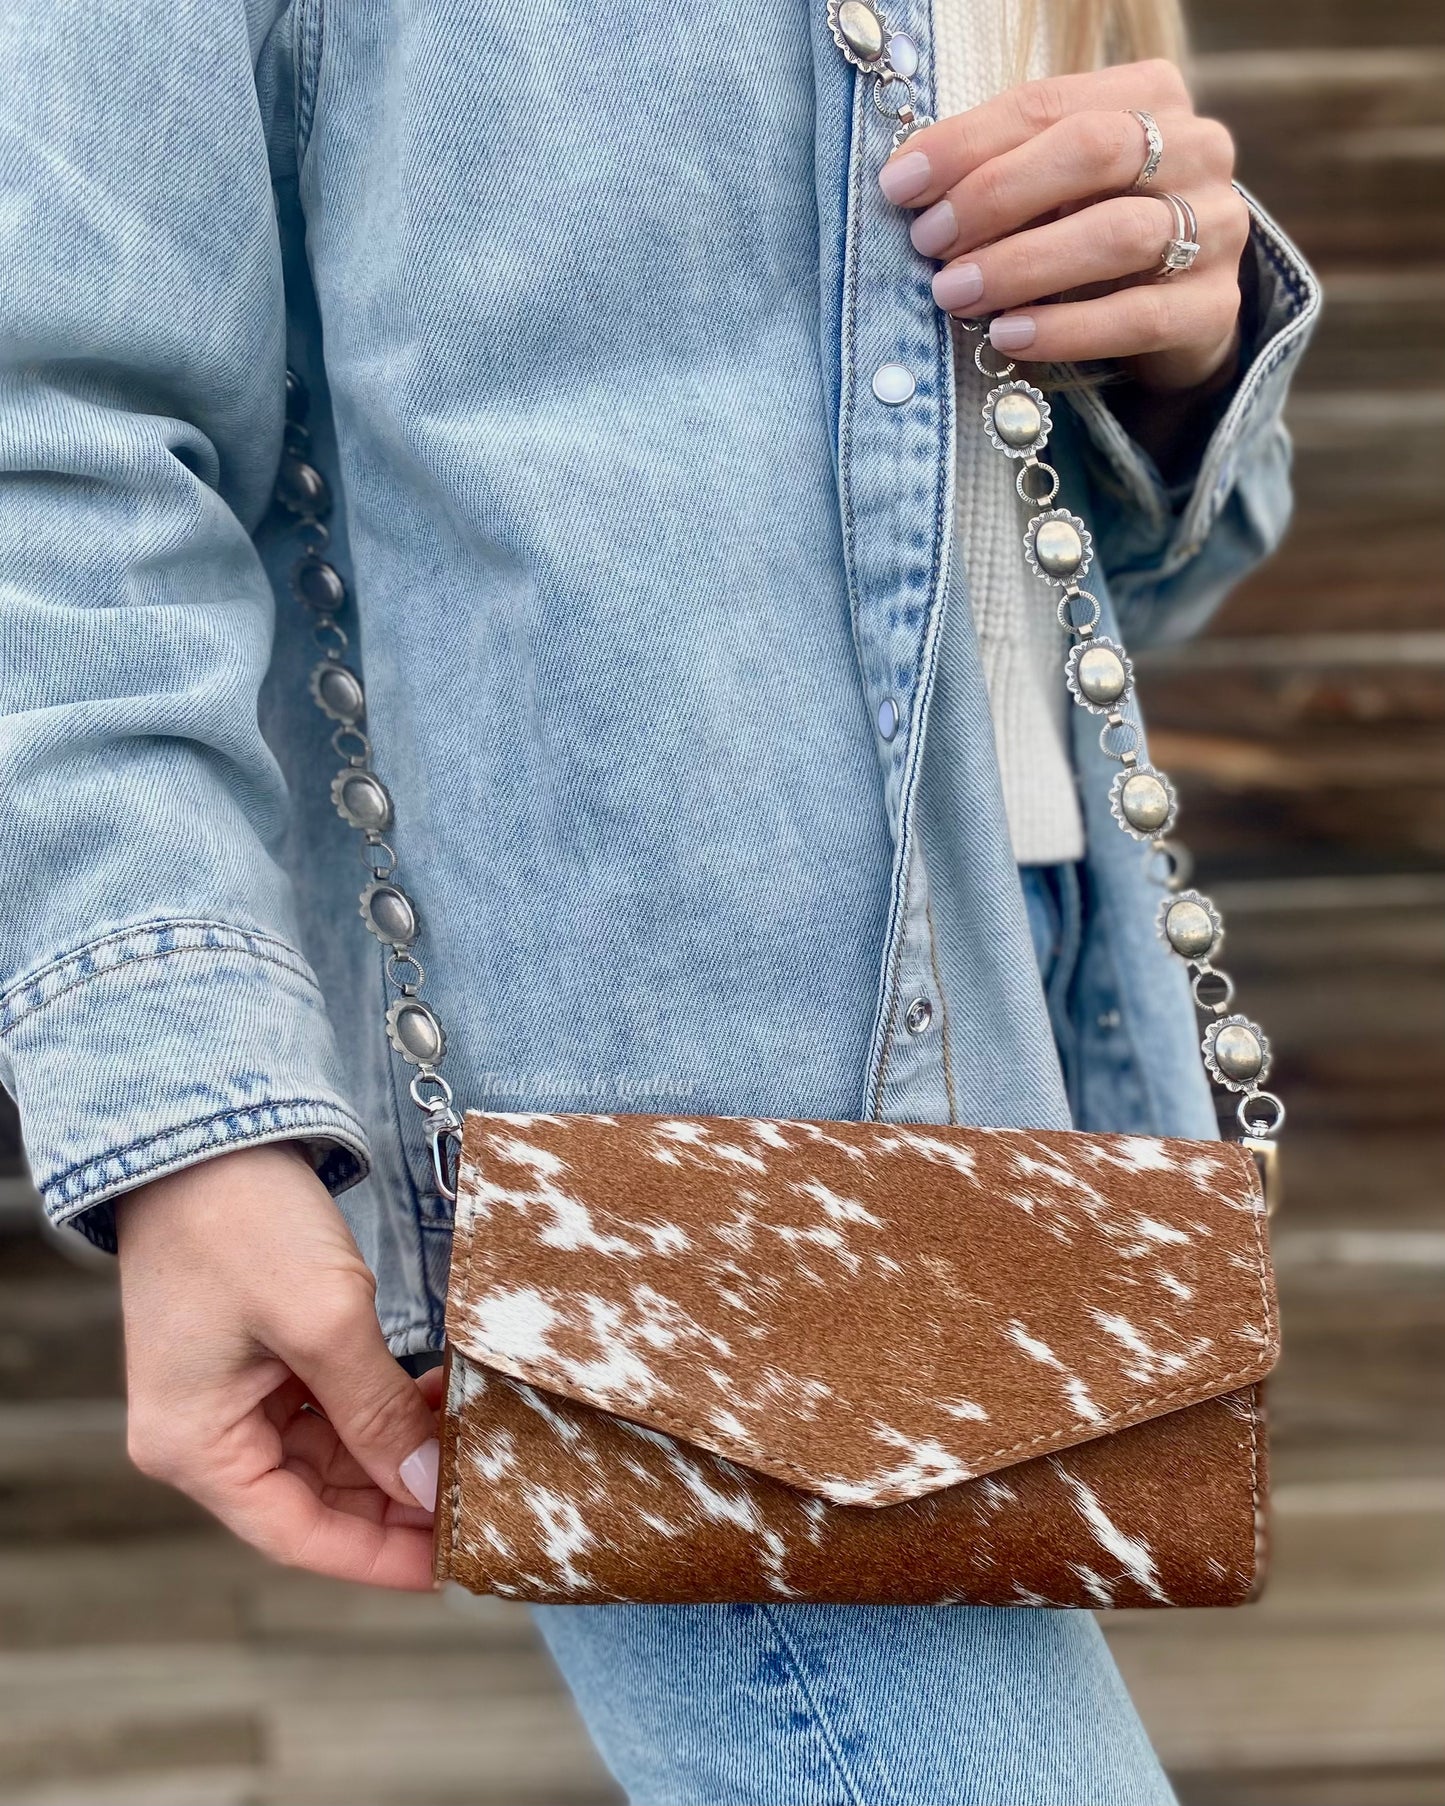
456	1485
1261	1259
456	1488
1257	1518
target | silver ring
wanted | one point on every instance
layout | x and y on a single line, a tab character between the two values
1181	250
1156	146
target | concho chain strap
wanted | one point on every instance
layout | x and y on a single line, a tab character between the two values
1097	670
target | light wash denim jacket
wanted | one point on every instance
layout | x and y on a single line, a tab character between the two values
636	555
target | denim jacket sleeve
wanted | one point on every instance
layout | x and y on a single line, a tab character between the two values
154	1008
1174	551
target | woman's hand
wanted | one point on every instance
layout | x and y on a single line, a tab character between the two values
1010	193
248	1313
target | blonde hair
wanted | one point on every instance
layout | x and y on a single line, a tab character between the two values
1089	34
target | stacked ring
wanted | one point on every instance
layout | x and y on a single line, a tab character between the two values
1181	250
1156	146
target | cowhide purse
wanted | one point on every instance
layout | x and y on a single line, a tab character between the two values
712	1359
717	1359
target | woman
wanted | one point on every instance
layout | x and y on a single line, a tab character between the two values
664	549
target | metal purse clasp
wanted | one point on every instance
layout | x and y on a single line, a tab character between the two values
444	1137
1266	1158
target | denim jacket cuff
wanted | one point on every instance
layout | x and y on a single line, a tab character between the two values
1168	524
111	1053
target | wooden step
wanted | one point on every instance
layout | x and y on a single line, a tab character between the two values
1332	1681
1360	1374
1270	686
218	1785
64	1474
482	1726
1344	146
1244	25
1379	332
59	1338
1369	562
345	1696
1346	799
1363	1179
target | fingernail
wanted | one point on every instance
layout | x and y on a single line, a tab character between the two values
1011	332
934	230
960	285
419	1473
906	176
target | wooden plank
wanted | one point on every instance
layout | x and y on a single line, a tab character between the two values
481	1726
219	1786
1373	450
1362	565
1343	801
1345	146
1374	649
1380	330
64	1473
1360	1371
59	1338
302	1609
488	1740
1358	702
177	1706
168	1588
1289	1697
1245	25
1340	1784
1363	1176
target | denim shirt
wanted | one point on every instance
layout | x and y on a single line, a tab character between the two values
589	305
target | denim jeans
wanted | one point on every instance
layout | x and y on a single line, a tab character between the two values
802	1705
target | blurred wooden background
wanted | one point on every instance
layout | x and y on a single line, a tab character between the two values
145	1659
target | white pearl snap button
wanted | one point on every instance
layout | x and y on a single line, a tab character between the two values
893	384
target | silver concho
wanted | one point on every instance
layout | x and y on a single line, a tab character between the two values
1059	546
861	32
1143	803
1236	1052
336	690
1190	924
361	799
907	127
1017	417
415	1032
1098	673
389	913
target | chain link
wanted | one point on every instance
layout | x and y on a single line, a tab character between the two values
1100	678
1017	418
361	799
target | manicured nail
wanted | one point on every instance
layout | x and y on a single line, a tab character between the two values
960	285
906	176
1011	332
419	1473
934	230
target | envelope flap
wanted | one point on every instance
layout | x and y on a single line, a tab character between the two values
867	1311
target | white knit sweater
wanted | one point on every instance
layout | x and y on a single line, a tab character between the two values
1014	612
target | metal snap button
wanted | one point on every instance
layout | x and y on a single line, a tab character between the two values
888	718
918	1018
903	54
893	384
